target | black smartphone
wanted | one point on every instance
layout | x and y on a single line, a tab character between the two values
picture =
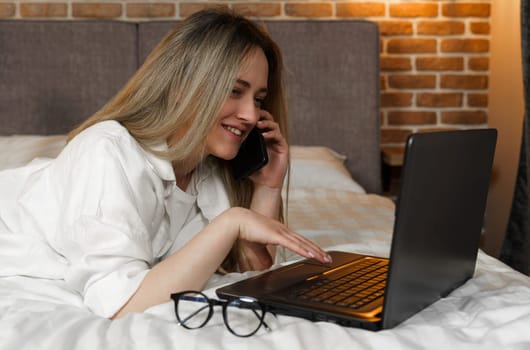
251	157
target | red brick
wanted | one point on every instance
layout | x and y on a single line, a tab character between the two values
43	10
477	100
7	10
470	82
382	83
465	45
437	129
96	10
150	10
188	8
440	63
258	9
441	27
360	9
464	117
411	46
480	28
395	28
466	10
414	10
439	100
308	10
479	63
395	63
396	99
395	135
411	118
412	81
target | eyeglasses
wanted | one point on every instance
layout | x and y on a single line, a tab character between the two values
243	316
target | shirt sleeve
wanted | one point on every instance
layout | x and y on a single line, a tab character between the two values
110	214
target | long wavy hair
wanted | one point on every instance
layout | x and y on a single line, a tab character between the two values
184	83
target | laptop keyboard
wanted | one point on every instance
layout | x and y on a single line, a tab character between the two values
364	282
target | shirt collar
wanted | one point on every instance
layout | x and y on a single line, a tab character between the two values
212	197
162	167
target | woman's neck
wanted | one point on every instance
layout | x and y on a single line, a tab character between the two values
183	173
184	169
184	181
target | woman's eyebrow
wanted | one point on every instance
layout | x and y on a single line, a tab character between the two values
247	85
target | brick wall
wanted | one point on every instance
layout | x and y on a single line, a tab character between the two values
434	53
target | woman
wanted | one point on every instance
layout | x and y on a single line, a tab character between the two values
140	204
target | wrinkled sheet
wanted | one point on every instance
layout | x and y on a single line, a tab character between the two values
491	311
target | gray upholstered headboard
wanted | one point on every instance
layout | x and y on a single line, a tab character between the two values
54	74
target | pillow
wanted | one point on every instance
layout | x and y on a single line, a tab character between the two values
320	167
19	150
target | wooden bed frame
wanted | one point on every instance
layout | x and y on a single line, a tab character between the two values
54	74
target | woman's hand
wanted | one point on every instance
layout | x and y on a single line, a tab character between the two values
273	173
254	256
260	230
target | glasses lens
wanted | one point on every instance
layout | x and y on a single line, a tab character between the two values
244	316
193	310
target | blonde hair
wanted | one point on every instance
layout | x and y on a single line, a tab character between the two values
184	83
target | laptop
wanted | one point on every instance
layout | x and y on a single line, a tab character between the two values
438	223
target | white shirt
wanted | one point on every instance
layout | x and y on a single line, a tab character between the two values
100	215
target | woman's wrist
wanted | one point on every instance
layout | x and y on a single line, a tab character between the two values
266	200
267	191
228	221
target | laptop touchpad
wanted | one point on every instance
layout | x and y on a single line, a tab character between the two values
288	275
273	280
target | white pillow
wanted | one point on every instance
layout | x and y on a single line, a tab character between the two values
320	167
19	150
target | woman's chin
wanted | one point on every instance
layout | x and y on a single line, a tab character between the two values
225	155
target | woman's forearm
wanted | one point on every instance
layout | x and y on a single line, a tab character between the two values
189	268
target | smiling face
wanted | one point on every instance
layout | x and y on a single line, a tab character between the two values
241	111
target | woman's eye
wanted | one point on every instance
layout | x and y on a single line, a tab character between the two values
258	101
236	92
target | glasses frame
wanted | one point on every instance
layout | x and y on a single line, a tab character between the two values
211	302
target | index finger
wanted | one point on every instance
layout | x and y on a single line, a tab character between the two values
264	114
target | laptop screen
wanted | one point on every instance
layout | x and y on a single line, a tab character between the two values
439	215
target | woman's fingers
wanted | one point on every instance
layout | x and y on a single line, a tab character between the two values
265	115
260	229
304	247
269	127
257	228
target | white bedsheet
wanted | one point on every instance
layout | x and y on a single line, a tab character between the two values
491	311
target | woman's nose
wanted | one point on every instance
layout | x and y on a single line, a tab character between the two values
248	112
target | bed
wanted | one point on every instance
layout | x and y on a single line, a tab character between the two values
53	74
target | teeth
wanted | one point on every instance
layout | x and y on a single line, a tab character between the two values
234	130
